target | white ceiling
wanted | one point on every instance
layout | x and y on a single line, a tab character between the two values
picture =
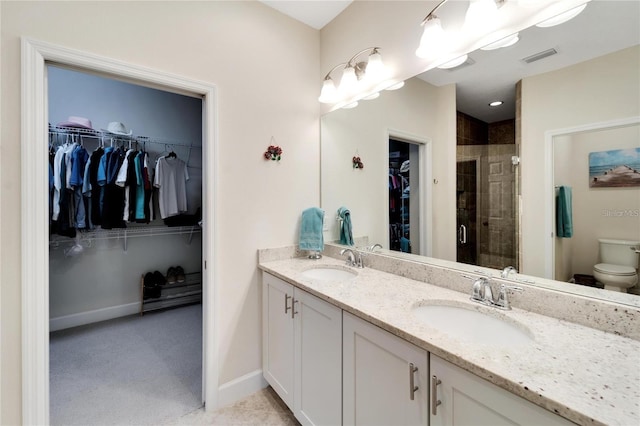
316	14
605	26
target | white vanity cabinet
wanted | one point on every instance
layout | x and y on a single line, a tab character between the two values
302	351
466	399
385	377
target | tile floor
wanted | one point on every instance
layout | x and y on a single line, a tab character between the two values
262	408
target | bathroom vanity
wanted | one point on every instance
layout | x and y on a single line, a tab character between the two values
351	347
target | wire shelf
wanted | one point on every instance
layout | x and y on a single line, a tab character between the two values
124	234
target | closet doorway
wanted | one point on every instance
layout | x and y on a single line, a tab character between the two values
407	196
35	201
125	241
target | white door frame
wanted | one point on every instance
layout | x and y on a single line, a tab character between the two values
549	181
35	226
425	174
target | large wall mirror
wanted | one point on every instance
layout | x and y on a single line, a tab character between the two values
443	169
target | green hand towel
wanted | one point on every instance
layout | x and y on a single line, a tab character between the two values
564	217
346	230
311	237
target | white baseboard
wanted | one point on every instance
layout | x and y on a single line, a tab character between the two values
82	318
239	388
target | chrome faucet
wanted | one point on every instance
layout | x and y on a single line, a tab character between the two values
481	291
506	271
354	258
373	247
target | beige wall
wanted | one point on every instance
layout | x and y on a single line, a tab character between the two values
563	162
418	110
597	212
266	69
598	90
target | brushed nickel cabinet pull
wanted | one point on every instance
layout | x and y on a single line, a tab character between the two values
286	303
412	387
434	395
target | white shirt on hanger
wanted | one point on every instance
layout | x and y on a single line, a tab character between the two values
171	180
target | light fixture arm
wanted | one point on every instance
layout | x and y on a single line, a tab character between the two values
328	76
431	14
373	50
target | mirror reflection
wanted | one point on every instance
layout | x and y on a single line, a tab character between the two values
592	78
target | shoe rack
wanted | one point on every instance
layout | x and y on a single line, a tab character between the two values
174	294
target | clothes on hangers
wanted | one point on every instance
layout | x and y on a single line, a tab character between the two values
170	178
110	186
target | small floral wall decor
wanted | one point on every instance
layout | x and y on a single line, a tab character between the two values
274	153
357	163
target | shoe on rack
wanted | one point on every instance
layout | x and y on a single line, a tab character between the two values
149	280
179	274
171	275
159	278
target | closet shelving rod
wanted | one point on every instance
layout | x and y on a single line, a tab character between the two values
98	134
126	233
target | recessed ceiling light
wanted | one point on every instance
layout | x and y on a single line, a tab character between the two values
495	103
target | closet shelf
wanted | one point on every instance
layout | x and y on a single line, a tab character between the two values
106	135
125	234
184	149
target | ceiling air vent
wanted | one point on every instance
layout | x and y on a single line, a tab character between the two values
539	55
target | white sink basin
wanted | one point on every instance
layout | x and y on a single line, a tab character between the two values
473	325
329	273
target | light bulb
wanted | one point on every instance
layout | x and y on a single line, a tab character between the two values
481	16
375	67
454	63
434	40
329	93
562	18
374	95
396	86
349	81
503	42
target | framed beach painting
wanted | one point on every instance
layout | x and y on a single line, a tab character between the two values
616	168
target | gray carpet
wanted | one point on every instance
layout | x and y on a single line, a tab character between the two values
128	371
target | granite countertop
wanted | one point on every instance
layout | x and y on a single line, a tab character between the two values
585	375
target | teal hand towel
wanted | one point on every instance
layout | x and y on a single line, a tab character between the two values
564	216
311	237
346	230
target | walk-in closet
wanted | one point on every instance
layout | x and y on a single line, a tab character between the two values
125	250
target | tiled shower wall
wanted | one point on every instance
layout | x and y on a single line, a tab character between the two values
492	145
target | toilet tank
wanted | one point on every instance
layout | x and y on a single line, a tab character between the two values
619	252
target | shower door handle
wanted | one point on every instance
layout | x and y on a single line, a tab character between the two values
462	234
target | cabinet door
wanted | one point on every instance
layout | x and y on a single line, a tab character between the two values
377	376
466	399
277	336
318	361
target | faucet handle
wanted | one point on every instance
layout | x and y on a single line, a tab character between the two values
503	299
478	289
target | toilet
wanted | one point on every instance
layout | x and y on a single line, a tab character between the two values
618	270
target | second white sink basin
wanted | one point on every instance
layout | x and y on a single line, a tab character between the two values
473	325
329	273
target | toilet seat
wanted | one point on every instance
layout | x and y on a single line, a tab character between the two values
615	270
